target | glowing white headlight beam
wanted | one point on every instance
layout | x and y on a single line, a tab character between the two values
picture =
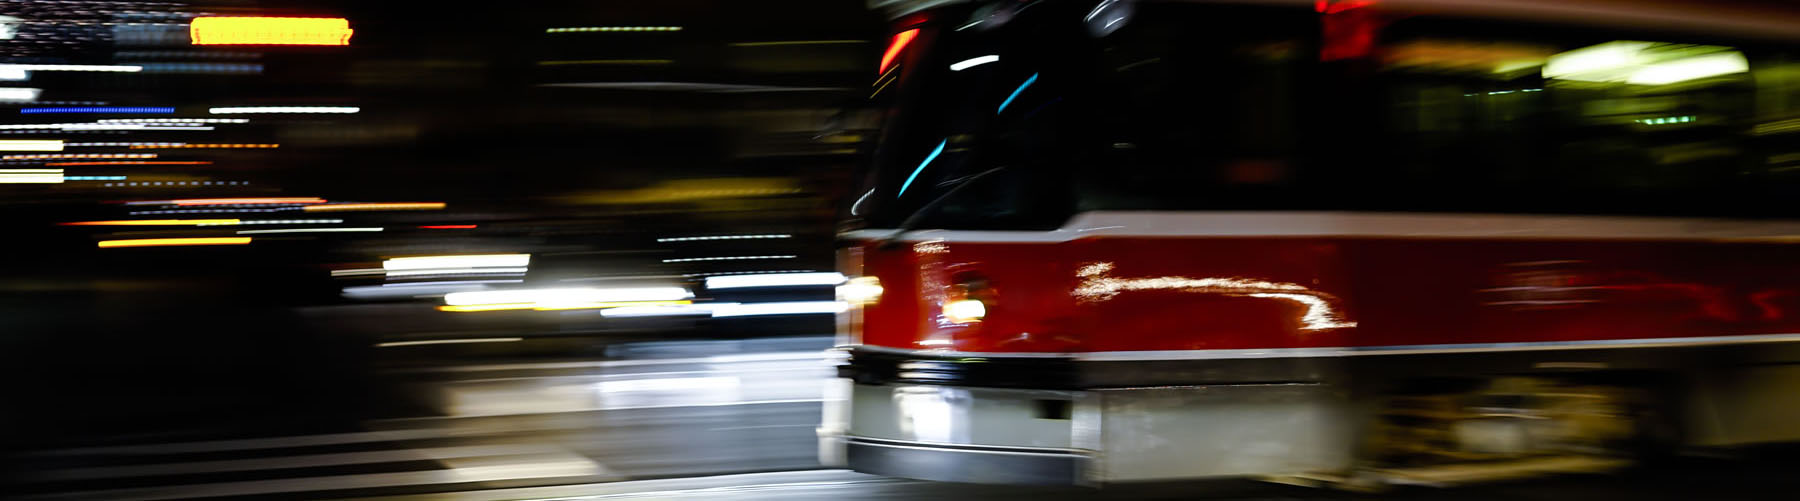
973	62
462	261
773	280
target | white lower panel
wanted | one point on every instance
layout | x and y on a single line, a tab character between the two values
1227	430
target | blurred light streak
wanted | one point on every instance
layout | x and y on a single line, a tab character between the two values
120	144
161	242
780	308
661	311
1016	92
173	121
695	87
94	178
725	258
895	45
451	272
309	230
1666	120
128	162
723	237
448	227
921	168
758	272
20	94
210	145
153	222
354	272
98	109
204	68
211	211
270	31
603	29
31	176
606	61
450	341
557	307
774	280
796	42
667	384
375	206
283	109
462	261
70	67
243	201
1691	68
97	126
419	289
31	145
973	62
554	297
284	221
66	156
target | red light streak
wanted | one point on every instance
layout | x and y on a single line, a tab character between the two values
897	44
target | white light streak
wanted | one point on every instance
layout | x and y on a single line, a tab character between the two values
19	94
462	261
973	62
1097	286
552	298
31	176
773	280
278	221
31	145
122	144
173	121
722	237
779	308
679	310
725	258
309	230
10	68
458	271
283	109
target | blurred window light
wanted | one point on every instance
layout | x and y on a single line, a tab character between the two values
448	227
130	162
31	145
69	156
1644	63
611	29
964	311
309	230
726	258
345	207
6	69
98	109
1666	120
163	242
173	121
860	291
779	308
19	93
31	176
1015	93
554	297
462	261
773	280
796	42
921	168
226	110
895	45
270	31
392	344
724	237
154	222
973	62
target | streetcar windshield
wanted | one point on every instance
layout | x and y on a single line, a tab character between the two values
1064	107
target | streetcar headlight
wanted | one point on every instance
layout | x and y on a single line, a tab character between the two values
964	311
860	291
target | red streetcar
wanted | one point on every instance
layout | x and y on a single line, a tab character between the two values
1108	241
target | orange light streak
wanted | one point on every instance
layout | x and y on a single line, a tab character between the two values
270	31
162	242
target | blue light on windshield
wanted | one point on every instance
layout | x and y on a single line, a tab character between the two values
1015	94
915	174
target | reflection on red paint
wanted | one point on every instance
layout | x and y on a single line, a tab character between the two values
1329	7
449	227
895	45
1348	32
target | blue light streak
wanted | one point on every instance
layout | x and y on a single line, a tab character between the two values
915	174
1015	94
99	109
